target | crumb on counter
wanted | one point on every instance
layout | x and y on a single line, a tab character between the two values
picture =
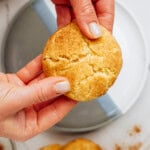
135	130
117	147
136	146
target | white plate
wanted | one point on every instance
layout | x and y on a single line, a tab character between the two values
129	85
125	92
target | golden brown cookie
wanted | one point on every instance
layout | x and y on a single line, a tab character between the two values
51	147
81	144
91	66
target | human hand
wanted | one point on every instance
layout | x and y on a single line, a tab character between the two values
28	103
87	13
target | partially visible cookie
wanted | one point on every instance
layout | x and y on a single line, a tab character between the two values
91	66
81	144
52	147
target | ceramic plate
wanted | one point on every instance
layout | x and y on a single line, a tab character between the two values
26	38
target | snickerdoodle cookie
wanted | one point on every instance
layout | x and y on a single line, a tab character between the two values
81	144
91	66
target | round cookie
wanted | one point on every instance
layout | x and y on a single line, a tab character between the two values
81	144
52	147
91	66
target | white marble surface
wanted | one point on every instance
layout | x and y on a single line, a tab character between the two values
118	131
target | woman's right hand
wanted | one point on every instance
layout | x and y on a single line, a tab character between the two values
87	13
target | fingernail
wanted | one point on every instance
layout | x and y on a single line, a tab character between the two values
95	29
62	87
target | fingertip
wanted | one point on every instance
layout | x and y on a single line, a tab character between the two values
95	29
59	85
62	87
91	30
86	18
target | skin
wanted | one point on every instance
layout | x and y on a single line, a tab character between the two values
29	103
84	12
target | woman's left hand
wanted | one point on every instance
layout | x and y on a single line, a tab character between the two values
31	103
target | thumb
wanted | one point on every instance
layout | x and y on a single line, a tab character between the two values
44	90
22	97
86	18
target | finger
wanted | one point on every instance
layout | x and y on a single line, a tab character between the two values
16	99
31	70
63	15
13	79
52	114
40	106
86	18
61	2
37	122
3	77
105	13
37	79
10	78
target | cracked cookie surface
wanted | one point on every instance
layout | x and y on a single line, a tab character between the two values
91	66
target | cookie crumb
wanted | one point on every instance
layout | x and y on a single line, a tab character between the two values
135	130
117	147
136	146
